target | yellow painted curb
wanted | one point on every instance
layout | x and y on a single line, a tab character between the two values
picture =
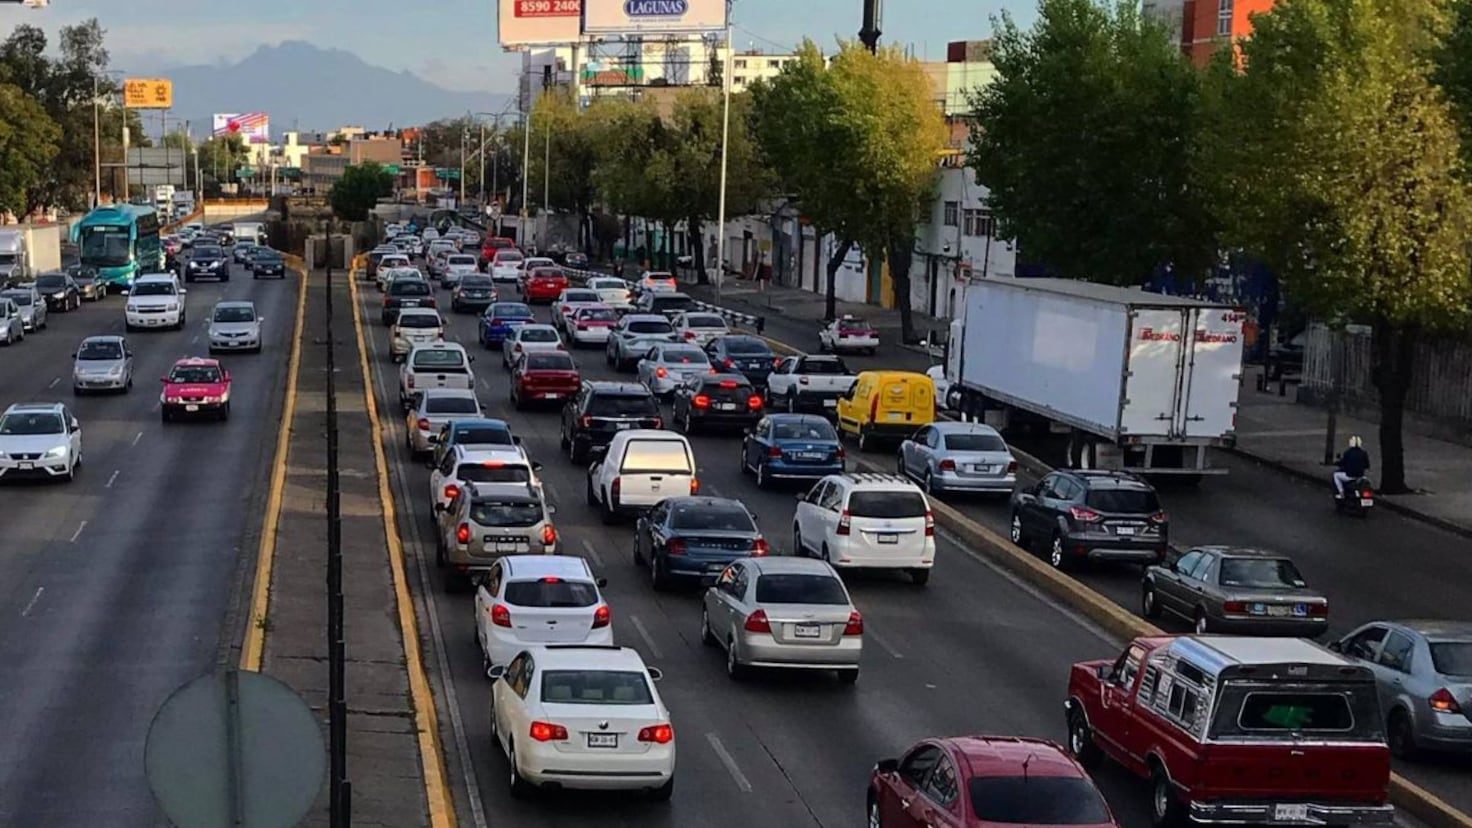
436	782
254	647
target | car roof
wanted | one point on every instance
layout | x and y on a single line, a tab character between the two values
480	422
617	387
155	277
790	565
194	361
466	393
587	656
484	455
536	327
1216	652
646	317
1006	755
19	408
527	567
102	338
964	428
439	346
1436	631
1103	479
1241	552
236	303
419	311
704	501
733	337
876	480
650	434
810	419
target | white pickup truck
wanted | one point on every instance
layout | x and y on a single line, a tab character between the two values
812	382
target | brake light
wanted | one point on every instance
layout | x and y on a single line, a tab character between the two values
500	616
1158	517
549	534
430	301
582	326
754	402
659	422
661	372
929	524
566	309
1234	606
548	732
493	464
728	383
730	363
760	548
601	617
452	491
462	533
1442	701
774	451
689	336
411	380
1085	514
757	622
948	465
422	425
855	625
1318	610
675	546
615	487
694	486
1012	467
701	401
587	421
661	734
845	521
551	579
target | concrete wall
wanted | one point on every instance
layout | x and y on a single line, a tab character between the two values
219	210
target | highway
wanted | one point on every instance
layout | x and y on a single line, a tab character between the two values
120	586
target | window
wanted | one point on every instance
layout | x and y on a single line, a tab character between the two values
739	63
1147	685
796	588
622	405
1296	711
511	514
1133	501
704	516
493	472
887	505
1266	573
915	767
975	441
29	424
1396	654
977	223
941	786
451	405
1181	704
1365	645
657	457
1224	18
1128	666
483	436
952	213
551	593
1037	800
1453	658
595	687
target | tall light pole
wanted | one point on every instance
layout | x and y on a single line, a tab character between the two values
464	136
526	161
97	139
725	147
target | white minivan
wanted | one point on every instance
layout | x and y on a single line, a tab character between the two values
642	467
867	521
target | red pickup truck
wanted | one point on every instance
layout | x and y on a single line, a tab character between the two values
1269	731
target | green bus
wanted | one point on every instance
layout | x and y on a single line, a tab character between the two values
121	241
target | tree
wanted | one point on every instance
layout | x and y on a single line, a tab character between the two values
1341	164
28	143
220	157
1086	143
1454	69
563	156
359	190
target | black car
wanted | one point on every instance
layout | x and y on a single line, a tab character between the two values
406	293
1091	516
267	262
472	293
749	355
601	410
60	291
207	261
692	539
91	287
711	400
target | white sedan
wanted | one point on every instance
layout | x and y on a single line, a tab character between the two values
572	299
590	325
527	601
848	333
525	338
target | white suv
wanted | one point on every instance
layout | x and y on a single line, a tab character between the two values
156	300
531	600
871	521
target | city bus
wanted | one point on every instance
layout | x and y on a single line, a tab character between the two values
121	241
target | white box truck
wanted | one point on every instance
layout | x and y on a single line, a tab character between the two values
1139	381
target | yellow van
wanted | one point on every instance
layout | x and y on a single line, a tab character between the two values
886	405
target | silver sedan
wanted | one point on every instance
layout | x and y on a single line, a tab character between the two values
1422	669
958	457
783	612
103	363
666	367
234	326
432	409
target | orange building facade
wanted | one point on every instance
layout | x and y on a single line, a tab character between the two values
1202	26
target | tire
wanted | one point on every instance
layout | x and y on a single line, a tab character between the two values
920	577
734	668
761	476
520	788
1149	602
1401	735
865	443
707	637
797	547
1202	623
1165	809
663	792
1056	555
608	515
848	677
578	452
1017	534
688	426
562	442
592	500
791	402
928	483
225	411
875	820
657	579
1081	742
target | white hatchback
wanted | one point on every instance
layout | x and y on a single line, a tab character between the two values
530	600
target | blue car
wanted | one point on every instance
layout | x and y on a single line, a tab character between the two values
499	320
691	539
791	447
476	432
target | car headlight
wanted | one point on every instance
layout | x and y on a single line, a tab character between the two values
60	294
132	309
172	306
59	451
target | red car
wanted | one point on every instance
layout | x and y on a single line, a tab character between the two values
545	284
969	781
195	386
492	244
544	376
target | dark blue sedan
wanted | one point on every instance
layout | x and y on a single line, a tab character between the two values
474	434
500	319
791	447
691	539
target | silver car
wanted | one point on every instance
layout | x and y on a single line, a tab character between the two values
31	306
12	330
667	366
525	338
958	457
633	336
457	267
783	612
432	409
103	363
1245	591
1424	672
234	326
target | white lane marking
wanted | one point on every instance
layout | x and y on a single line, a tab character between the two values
156	407
54	382
139	435
113	478
729	761
648	639
32	604
78	533
592	553
194	339
884	645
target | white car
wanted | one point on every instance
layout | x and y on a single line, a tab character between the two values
235	326
590	325
434	365
583	716
39	440
156	300
414	326
394	260
871	521
527	338
480	464
572	299
669	365
848	333
700	327
531	600
641	467
505	266
458	266
612	291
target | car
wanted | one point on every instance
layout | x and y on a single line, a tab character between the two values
749	355
370	271
1421	668
39	440
656	281
576	260
885	406
414	326
1086	515
406	293
156	300
434	365
484	522
500	319
809	382
791	447
869	521
543	377
985	781
601	410
102	363
590	325
267	262
235	326
394	261
958	457
93	289
612	291
530	263
226	234
640	468
700	327
1230	590
670	304
485	465
527	601
242	251
633	336
668	365
473	292
848	333
195	386
206	261
12	329
691	539
578	716
59	290
527	339
504	265
570	300
714	401
543	284
30	307
458	266
388	275
486	433
431	409
410	244
493	244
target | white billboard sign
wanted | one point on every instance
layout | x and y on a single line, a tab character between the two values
632	17
538	22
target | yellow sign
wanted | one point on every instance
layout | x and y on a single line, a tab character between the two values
148	93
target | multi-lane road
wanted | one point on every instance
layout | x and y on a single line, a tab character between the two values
120	586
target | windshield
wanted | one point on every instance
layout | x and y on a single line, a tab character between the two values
510	312
409	287
1037	800
718	517
1452	658
595	687
743	346
31	423
797	588
194	374
419	320
451	405
436	358
106	246
650	326
1255	573
547	273
476	282
507	514
153	289
657	456
551	593
205	252
235	314
48	282
480	435
550	362
21	297
263	254
806	430
622	405
705	321
878	504
8	259
100	350
1134	501
975	442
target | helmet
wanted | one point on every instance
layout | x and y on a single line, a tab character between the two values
1355	441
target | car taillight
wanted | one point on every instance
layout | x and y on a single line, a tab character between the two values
411	381
845	521
929	524
689	336
549	534
694	486
430	301
760	548
500	615
948	465
661	372
587	421
1012	467
1442	701
855	625
777	363
566	309
675	546
730	363
548	732
582	326
1234	606
754	402
774	451
422	425
1158	517
1084	514
660	734
757	622
462	533
701	401
1318	610
615	487
602	616
452	491
659	422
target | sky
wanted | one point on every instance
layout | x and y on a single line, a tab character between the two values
453	42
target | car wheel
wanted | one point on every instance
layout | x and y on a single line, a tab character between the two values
608	358
929	483
663	792
791	402
562	441
520	788
874	819
849	677
657	579
1015	533
823	554
920	577
864	440
1203	623
734	668
76	392
1081	740
797	548
1149	605
1401	735
578	452
1056	557
608	515
441	559
1165	809
687	425
707	637
761	476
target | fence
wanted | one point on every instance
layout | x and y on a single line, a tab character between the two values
1441	380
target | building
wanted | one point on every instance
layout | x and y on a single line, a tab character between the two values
322	169
629	69
1202	26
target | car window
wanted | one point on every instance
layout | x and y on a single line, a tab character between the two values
100	350
31	423
549	362
704	320
1188	561
461	260
1053	487
685	355
650	326
881	504
1366	644
551	593
22	298
1452	658
1260	573
830	497
622	405
1203	567
916	766
720	517
596	315
1395	653
581	296
438	358
493	583
476	282
1132	501
235	314
806	430
1037	800
537	335
745	346
595	687
1297	711
507	514
494	472
409	287
483	435
194	373
974	442
450	405
511	312
654	456
419	320
800	588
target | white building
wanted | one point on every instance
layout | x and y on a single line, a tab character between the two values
625	68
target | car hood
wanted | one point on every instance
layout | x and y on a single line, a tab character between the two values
196	389
99	366
31	443
234	327
153	301
26	311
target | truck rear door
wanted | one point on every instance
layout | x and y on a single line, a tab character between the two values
1212	372
1153	373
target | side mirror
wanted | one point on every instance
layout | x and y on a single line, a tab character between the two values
536	466
656	673
515	440
260	319
1106	672
227	376
601	582
434	439
887	766
802	497
551	509
471	357
74	356
163	379
76	426
495	671
439	508
183	291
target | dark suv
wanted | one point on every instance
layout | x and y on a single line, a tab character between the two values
602	409
716	400
747	355
1091	516
406	293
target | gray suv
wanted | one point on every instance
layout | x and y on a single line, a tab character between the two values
485	521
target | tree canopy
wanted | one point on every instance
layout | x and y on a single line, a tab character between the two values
28	143
359	189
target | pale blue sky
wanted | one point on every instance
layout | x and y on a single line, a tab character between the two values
452	42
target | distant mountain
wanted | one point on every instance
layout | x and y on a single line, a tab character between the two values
306	88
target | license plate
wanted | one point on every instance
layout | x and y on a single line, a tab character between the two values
191	408
602	740
1367	502
1279	611
27	466
889	538
410	303
1124	530
623	426
830	403
810	455
506	546
715	567
1290	813
982	468
807	630
550	395
727	406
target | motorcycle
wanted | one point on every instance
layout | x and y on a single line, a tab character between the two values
1358	499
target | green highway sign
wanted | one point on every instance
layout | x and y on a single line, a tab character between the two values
391	169
447	173
245	172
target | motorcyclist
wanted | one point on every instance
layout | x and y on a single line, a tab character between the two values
1352	465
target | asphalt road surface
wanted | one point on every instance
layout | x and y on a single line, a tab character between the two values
115	588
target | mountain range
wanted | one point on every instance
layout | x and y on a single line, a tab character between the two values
303	87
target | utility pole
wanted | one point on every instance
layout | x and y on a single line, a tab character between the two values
96	146
464	136
526	158
725	141
482	156
869	33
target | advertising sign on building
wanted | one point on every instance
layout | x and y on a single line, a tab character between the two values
624	17
253	127
538	22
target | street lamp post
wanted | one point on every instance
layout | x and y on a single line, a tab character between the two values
725	141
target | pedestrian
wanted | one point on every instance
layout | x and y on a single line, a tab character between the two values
763	275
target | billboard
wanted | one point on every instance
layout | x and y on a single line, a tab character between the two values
539	22
148	93
254	127
625	17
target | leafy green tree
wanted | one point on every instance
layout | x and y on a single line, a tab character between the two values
1454	69
220	157
359	190
28	143
1086	142
1341	165
563	157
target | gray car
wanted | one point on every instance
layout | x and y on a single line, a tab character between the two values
1245	591
103	363
1424	672
958	457
11	328
31	306
668	365
633	336
432	409
234	326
